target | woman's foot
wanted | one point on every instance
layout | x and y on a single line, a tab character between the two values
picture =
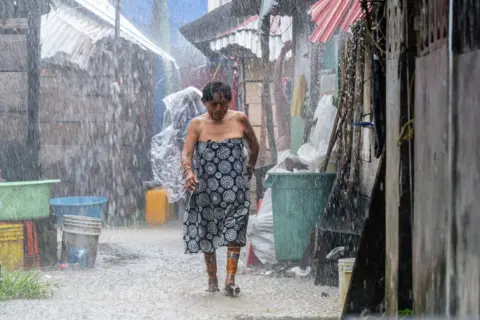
212	285
211	263
230	288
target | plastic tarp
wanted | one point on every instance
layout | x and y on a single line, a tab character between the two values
167	146
260	231
315	150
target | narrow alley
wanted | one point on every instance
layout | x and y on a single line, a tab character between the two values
143	274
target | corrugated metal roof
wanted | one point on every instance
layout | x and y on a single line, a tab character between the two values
246	35
69	33
329	15
218	31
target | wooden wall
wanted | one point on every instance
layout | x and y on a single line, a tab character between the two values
446	241
14	161
430	219
95	138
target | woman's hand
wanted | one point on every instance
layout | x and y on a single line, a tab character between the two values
250	170
190	180
187	155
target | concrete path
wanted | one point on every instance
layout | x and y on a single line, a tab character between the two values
143	274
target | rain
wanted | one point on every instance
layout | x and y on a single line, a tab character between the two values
239	159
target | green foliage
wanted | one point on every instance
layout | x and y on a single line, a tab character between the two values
405	313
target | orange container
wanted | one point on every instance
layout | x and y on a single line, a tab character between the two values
157	208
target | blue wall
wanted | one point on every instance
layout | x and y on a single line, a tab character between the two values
181	12
139	13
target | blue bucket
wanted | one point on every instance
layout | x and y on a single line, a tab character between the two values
93	207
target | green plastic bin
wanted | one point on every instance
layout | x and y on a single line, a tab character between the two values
298	200
25	200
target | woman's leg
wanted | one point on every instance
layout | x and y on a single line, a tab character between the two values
233	255
211	263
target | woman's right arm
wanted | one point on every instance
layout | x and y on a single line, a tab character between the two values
187	155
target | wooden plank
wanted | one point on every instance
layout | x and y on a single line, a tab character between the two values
367	87
369	270
13	90
394	29
467	214
13	127
14	24
13	53
63	107
369	168
430	207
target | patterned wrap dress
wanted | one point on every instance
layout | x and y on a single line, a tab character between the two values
217	214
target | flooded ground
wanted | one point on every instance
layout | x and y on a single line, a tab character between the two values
143	274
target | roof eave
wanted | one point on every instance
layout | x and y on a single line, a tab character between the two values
206	27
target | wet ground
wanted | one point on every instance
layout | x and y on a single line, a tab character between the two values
143	274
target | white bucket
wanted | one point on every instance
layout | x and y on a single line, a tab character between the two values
81	232
82	225
345	268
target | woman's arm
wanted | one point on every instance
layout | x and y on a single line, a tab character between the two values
253	145
187	155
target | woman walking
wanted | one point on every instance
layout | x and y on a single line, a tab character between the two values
217	170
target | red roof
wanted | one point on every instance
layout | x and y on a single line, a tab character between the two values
329	15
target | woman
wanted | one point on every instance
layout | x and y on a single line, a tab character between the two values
217	214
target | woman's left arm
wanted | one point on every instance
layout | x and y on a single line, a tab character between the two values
253	145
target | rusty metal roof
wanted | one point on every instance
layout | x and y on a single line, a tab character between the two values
329	15
70	33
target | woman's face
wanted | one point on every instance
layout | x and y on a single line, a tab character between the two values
218	107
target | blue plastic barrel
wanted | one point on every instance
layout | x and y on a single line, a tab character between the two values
93	207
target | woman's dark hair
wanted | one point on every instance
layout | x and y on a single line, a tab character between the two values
217	87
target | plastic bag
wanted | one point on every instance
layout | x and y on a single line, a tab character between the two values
260	231
315	150
167	146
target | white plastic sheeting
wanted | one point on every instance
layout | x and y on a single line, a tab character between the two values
315	150
260	231
167	146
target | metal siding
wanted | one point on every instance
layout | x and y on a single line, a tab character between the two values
246	35
73	35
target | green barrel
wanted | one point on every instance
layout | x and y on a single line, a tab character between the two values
25	200
298	200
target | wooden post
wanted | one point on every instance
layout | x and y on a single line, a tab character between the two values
33	52
266	96
354	178
118	10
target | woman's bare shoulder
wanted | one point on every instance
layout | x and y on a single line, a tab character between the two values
198	120
239	115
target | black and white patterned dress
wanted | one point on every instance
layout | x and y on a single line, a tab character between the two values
217	214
